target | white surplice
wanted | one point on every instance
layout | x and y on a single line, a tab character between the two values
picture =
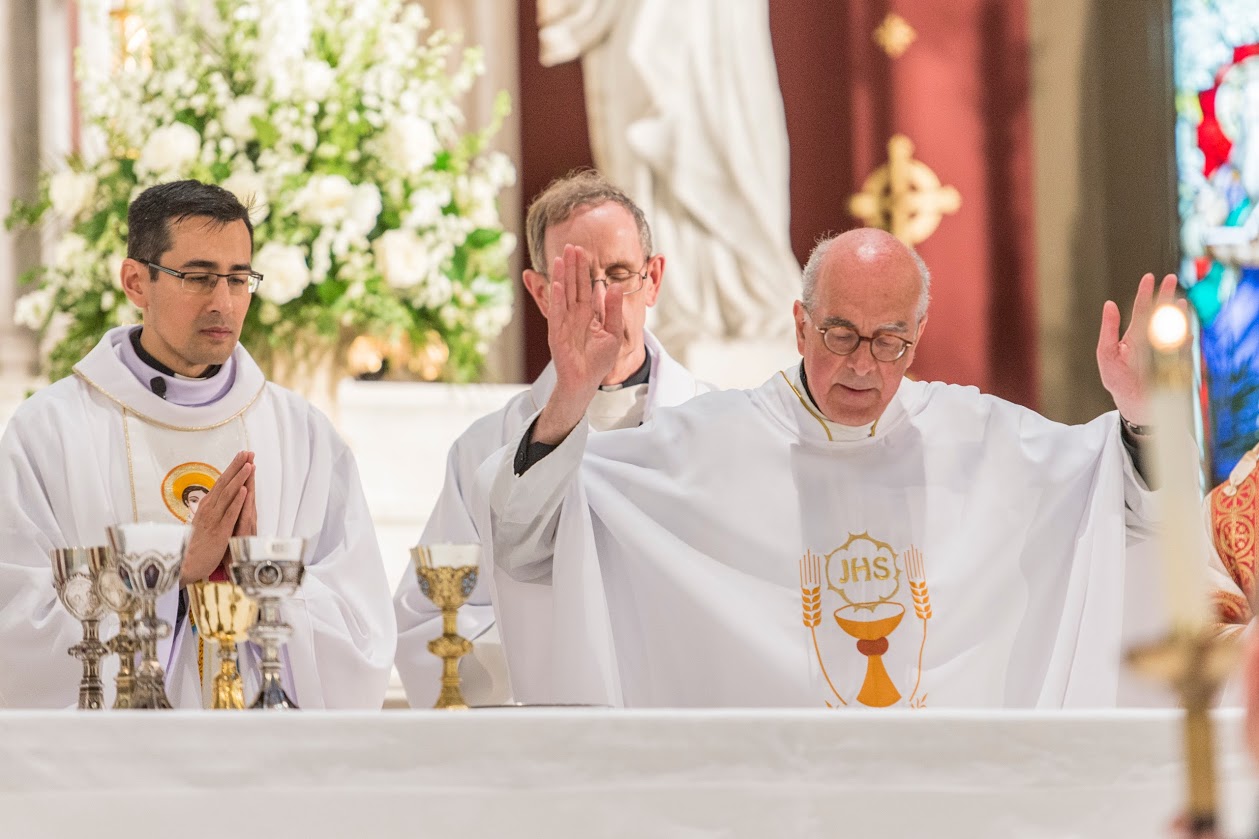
740	551
99	448
524	608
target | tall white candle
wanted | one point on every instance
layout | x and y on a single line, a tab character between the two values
1175	471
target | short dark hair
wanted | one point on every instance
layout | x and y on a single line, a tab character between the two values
150	216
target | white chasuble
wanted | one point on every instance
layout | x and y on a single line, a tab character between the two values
524	609
741	550
99	448
171	469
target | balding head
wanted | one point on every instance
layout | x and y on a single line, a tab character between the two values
860	251
868	284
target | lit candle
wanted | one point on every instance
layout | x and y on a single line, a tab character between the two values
1175	471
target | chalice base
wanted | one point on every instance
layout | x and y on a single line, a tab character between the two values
124	686
877	691
272	696
451	699
147	694
229	693
450	648
91	697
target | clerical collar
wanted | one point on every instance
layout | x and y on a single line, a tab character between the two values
844	433
151	360
179	390
639	377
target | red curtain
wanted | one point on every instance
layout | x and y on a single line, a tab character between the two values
960	92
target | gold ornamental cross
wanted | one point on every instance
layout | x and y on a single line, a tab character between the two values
903	196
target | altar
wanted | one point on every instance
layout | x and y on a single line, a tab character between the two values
601	773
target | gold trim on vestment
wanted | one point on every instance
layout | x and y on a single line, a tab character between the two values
809	407
127	411
168	426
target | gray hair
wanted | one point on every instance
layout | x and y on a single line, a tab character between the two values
814	267
563	198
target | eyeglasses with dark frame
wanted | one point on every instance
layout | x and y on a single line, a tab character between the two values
204	282
621	277
844	340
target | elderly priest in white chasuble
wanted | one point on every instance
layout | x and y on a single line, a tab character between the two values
841	536
172	421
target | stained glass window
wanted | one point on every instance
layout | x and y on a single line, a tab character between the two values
1217	143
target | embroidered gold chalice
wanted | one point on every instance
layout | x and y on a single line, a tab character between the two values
222	611
150	556
870	624
74	575
447	574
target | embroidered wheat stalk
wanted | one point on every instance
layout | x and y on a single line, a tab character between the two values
918	584
811	589
811	602
922	608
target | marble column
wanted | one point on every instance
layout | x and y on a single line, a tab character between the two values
19	168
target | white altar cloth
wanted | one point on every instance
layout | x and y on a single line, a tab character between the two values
600	773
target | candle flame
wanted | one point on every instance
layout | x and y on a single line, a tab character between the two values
1169	328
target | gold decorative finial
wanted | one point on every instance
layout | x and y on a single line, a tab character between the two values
131	33
903	196
895	35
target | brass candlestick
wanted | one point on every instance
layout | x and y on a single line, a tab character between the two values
447	574
1195	665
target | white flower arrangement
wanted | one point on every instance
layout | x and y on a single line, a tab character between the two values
337	122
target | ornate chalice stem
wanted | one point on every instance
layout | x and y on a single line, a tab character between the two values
451	647
268	634
150	687
228	692
89	651
123	645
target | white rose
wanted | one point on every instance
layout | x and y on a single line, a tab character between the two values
499	170
364	209
316	79
238	117
426	207
437	290
69	251
169	149
284	272
248	186
325	200
402	258
32	310
409	145
70	192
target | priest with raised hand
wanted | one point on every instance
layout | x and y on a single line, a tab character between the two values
582	210
174	417
841	536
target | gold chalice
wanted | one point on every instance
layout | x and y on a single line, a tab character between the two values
222	611
870	624
447	574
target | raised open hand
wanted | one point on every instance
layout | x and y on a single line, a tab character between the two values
584	331
1119	360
